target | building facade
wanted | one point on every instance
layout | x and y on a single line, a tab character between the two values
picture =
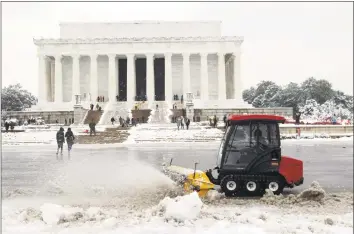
140	61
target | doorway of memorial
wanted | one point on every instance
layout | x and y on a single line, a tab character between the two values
159	70
122	74
140	71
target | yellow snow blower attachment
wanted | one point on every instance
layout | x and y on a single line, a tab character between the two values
191	180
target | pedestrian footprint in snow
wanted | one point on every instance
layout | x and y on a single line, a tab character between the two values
60	142
69	135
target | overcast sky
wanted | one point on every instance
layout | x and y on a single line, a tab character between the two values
284	42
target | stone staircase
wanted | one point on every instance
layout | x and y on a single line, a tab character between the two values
149	133
116	110
162	114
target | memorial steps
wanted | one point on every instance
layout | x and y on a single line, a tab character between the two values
149	133
115	110
160	113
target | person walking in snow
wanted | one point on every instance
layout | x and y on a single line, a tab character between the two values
188	121
182	123
112	120
215	121
92	126
69	135
60	141
178	122
225	118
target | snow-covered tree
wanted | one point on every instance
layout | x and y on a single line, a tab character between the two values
315	99
248	95
15	98
319	90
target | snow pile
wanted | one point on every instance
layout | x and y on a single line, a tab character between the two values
53	214
181	208
185	214
314	195
30	215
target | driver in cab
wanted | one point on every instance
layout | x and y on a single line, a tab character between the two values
261	142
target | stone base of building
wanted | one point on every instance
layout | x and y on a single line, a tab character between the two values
201	109
80	111
198	104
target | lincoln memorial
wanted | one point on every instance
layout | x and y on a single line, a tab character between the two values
145	61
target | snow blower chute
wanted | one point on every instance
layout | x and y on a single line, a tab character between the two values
249	160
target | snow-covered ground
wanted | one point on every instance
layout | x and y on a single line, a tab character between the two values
36	136
313	212
121	194
145	133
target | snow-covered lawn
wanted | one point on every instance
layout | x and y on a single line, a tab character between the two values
187	214
143	134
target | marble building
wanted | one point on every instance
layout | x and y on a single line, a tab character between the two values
140	61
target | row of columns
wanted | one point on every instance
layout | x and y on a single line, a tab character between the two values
131	82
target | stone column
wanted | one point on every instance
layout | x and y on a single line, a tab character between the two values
130	78
42	80
186	75
221	77
168	77
204	82
58	79
112	78
150	78
93	78
237	77
76	76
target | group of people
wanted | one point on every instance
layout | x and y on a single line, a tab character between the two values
98	107
100	99
181	121
9	125
69	136
213	120
176	98
124	122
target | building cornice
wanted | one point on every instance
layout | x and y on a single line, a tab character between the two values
46	41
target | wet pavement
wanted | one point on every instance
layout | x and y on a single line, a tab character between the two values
30	167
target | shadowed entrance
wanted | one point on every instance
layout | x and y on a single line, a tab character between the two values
159	77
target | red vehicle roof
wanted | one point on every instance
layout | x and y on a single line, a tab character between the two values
257	117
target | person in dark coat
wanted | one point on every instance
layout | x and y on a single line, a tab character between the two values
92	126
188	121
60	141
7	125
69	135
297	118
225	121
113	120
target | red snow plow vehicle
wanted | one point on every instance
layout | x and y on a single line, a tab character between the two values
249	160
